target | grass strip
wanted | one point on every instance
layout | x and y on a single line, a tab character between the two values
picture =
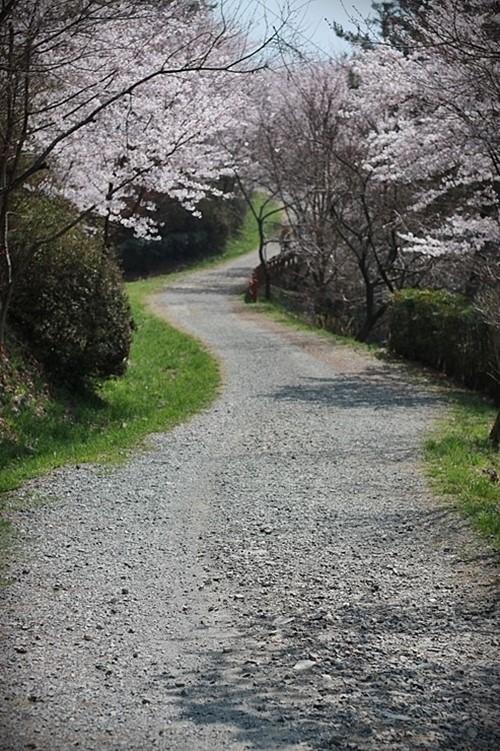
170	377
463	467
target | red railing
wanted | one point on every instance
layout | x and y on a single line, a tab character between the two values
275	265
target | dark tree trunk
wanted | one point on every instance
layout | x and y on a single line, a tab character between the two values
263	263
495	433
4	309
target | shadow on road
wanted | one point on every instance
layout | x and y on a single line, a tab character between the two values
419	698
376	388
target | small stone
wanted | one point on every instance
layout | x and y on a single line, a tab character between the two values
283	620
302	665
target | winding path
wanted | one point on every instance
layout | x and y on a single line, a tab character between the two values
272	575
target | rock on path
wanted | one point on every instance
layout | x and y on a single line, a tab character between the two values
272	575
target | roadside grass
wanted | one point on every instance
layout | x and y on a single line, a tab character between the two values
278	311
462	466
169	378
244	241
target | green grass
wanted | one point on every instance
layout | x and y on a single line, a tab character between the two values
463	466
169	378
245	240
277	311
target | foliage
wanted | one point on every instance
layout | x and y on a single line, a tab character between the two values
69	304
104	103
389	162
463	466
310	151
169	378
444	331
182	236
435	108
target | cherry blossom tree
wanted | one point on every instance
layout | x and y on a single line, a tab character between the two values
312	146
442	131
106	101
440	136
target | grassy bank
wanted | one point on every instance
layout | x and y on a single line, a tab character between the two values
169	378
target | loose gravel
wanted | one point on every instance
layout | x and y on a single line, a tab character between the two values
273	574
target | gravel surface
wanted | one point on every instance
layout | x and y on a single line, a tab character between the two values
272	575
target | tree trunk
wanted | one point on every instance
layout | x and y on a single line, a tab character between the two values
5	272
495	433
263	263
4	309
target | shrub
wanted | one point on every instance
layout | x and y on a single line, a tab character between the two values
444	331
69	304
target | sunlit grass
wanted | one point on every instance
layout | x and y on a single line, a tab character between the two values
170	377
459	459
463	466
277	311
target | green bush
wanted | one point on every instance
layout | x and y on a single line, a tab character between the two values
69	303
444	331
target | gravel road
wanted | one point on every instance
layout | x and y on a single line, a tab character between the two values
272	575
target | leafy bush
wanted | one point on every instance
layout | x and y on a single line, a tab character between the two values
444	331
69	303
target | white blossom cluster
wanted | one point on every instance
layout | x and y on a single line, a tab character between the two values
136	100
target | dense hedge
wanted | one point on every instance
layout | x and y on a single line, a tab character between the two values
444	331
69	302
182	236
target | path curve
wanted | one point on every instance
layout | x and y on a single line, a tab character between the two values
272	575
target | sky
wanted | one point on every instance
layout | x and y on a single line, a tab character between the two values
310	19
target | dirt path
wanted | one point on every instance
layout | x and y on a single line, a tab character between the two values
272	575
